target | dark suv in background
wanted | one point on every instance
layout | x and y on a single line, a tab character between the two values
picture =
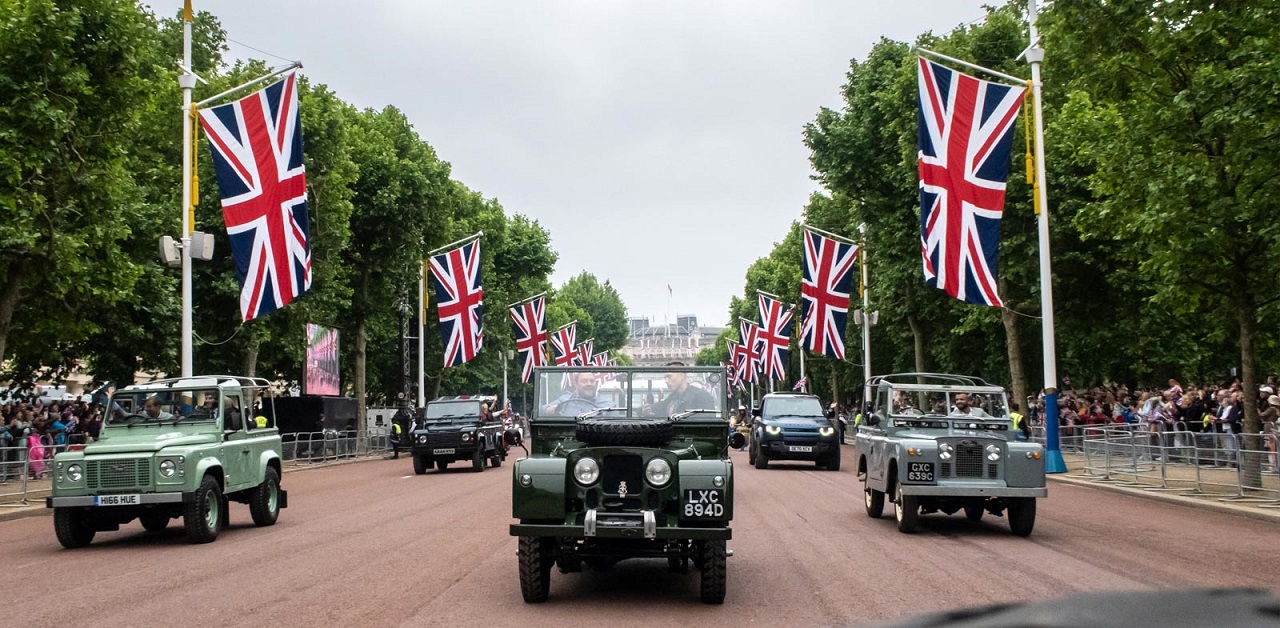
792	426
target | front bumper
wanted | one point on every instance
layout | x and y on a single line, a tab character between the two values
143	499
925	490
604	525
781	450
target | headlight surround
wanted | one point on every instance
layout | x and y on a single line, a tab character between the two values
993	453
945	451
422	438
586	471
826	431
75	472
658	472
168	468
467	436
773	429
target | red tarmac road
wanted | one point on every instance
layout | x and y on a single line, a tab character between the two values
372	544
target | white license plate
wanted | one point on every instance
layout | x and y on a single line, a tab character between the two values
444	451
801	449
117	500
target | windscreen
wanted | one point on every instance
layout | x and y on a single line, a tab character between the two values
158	406
444	410
948	403
776	407
627	393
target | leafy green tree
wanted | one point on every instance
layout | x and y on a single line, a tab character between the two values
603	304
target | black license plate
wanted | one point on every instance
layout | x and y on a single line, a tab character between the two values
702	503
919	471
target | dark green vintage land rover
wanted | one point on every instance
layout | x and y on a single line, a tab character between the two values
626	462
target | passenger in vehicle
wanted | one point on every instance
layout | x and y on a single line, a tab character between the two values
962	407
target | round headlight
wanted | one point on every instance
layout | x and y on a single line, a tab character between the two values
467	436
945	448
944	455
773	429
422	438
74	473
993	453
718	481
526	480
586	471
167	468
826	431
658	472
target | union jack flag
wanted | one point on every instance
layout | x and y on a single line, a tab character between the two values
735	352
824	293
775	336
563	341
460	300
801	383
582	357
965	135
256	143
750	354
528	326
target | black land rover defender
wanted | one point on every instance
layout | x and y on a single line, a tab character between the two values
457	429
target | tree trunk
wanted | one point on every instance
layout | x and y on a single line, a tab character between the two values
10	294
251	356
917	334
1251	444
361	347
1013	341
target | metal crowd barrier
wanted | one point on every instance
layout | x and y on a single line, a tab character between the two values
1229	467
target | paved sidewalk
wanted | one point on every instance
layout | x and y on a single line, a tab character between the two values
37	490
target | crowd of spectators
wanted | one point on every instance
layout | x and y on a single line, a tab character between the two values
31	432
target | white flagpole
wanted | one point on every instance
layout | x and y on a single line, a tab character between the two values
1053	462
187	81
805	388
422	327
866	314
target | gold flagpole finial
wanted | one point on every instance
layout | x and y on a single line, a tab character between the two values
186	11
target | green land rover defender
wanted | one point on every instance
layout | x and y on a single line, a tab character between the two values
172	448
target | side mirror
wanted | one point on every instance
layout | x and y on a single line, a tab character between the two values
873	420
737	440
755	411
512	437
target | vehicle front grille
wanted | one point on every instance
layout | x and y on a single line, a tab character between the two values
968	460
993	471
622	468
800	434
946	470
451	438
111	474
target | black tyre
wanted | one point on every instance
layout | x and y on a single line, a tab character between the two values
874	501
624	432
1022	515
154	521
536	560
762	459
906	509
477	461
713	572
496	460
73	527
202	516
751	453
419	464
833	463
264	504
974	512
441	465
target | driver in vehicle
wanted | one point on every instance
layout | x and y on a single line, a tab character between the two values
580	400
962	407
153	410
682	397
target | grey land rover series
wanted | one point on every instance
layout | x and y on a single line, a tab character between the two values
946	443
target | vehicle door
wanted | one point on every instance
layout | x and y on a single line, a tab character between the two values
235	443
877	458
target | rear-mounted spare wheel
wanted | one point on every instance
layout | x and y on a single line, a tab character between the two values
604	432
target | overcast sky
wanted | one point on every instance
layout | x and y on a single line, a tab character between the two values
658	141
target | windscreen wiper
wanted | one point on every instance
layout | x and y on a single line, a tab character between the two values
597	411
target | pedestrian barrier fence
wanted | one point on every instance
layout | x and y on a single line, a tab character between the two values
1169	457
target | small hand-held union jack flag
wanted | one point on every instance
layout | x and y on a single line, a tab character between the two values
256	144
775	336
563	345
965	135
824	293
528	327
460	300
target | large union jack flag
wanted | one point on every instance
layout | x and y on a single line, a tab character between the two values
256	144
736	355
529	327
460	301
749	351
824	293
563	345
965	136
775	336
